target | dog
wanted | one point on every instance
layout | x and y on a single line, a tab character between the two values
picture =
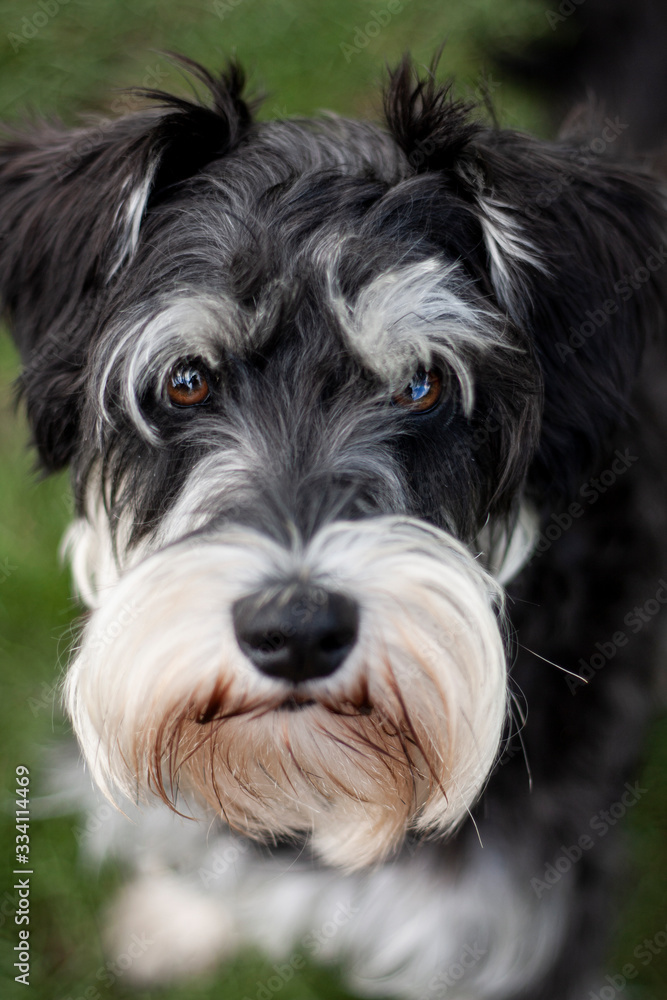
366	432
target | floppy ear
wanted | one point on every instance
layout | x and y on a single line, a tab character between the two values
576	255
72	203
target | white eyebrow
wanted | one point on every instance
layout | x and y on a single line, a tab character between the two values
415	315
186	324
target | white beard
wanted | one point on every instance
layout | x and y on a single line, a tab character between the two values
401	737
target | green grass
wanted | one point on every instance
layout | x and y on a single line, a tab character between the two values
293	48
296	52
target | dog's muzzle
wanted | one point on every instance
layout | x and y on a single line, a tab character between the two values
382	632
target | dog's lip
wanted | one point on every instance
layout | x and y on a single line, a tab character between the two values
296	703
299	702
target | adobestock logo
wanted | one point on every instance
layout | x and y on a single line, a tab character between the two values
623	289
599	827
222	860
32	25
128	613
565	9
590	491
469	957
644	953
580	156
311	943
378	19
634	620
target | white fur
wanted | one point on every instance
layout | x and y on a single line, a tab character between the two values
129	215
399	930
402	930
429	659
167	930
508	250
506	551
96	561
139	349
417	315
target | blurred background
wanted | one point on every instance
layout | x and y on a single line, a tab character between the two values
533	58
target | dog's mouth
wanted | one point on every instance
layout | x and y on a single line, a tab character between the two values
216	711
296	703
401	737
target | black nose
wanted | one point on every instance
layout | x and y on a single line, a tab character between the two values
299	633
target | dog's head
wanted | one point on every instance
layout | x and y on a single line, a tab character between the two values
313	380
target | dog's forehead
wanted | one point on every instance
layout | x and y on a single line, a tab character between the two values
297	198
322	230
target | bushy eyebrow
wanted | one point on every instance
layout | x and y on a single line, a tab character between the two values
152	340
411	315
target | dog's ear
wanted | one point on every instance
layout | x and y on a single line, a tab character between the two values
575	254
72	203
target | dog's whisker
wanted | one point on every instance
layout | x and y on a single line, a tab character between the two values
556	665
514	702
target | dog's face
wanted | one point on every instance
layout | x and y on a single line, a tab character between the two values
306	378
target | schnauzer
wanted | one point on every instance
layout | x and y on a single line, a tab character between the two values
337	400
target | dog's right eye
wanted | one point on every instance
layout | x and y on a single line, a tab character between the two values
187	385
422	393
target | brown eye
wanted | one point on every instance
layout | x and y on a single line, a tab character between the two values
187	385
421	393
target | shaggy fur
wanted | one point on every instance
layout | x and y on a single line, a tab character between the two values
296	583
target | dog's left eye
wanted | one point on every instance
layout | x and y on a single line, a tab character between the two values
421	393
187	385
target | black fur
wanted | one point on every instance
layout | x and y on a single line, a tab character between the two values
59	231
244	209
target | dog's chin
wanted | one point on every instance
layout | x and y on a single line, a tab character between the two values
401	737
